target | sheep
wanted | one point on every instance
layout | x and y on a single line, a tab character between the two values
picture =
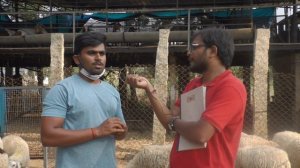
154	156
253	140
262	157
293	151
14	164
3	159
284	138
5	163
17	150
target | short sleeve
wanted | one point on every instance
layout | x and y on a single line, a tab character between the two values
226	105
55	103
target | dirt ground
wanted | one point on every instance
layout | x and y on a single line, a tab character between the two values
125	150
38	163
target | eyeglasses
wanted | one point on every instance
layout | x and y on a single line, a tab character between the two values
194	46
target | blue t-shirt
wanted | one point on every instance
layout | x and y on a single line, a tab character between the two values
84	105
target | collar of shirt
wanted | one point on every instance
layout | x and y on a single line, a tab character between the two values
216	79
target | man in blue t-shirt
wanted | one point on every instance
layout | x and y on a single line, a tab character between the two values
82	115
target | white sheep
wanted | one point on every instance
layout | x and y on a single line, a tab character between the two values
3	159
284	138
293	151
262	157
153	156
253	140
17	150
14	164
5	163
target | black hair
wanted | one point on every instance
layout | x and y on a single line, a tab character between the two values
222	40
88	39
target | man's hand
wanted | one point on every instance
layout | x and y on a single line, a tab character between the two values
121	135
110	126
139	82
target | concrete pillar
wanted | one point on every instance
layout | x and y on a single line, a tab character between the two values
296	115
161	82
57	58
260	90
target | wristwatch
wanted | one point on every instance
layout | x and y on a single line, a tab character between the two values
171	123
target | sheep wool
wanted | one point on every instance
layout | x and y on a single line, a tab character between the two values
154	156
262	157
3	159
253	140
293	151
284	138
17	149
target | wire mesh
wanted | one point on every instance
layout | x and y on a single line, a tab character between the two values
23	109
24	105
281	106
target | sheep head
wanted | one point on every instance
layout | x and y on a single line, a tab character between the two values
14	164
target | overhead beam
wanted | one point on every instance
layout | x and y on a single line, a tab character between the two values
127	55
117	37
274	47
134	8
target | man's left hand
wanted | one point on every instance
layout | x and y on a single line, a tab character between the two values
121	135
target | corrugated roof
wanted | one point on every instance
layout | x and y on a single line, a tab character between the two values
138	4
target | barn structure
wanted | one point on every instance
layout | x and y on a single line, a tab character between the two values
267	54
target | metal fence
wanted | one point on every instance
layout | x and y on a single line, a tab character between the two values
21	112
21	106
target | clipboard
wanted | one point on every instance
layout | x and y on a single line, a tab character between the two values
192	107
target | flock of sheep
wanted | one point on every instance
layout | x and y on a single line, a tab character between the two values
14	152
283	151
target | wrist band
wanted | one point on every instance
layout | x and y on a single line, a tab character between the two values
171	123
93	133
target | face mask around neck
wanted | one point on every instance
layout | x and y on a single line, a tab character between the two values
91	77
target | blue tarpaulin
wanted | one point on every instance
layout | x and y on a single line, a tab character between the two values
2	111
113	17
65	21
4	18
173	14
260	12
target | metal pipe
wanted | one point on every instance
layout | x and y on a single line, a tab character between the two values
294	25
157	9
116	37
189	30
74	32
287	24
50	13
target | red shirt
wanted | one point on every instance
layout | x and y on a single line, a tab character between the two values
225	107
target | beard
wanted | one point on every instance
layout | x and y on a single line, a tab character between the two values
96	72
198	67
92	71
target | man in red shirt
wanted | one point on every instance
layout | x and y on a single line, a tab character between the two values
221	123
